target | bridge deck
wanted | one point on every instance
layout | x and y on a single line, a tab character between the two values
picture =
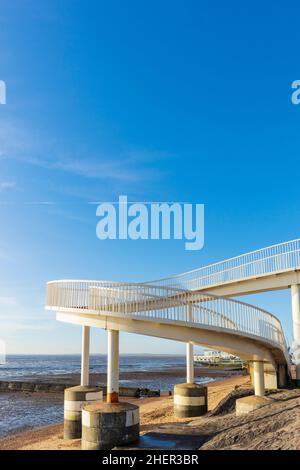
193	306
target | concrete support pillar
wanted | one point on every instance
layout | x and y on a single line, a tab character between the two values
189	350
113	367
107	425
189	363
259	379
74	400
282	376
295	291
270	376
190	400
85	356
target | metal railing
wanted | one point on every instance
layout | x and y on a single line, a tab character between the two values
164	303
274	259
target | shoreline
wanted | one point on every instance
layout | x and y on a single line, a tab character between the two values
154	411
35	403
99	378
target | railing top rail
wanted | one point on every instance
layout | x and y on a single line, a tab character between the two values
96	281
150	301
206	295
119	284
159	295
186	273
158	282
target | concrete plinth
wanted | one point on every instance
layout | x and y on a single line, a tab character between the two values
270	376
106	425
245	405
75	399
190	400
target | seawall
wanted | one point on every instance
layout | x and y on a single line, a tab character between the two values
31	386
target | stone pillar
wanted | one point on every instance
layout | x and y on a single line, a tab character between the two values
74	400
190	400
76	397
107	425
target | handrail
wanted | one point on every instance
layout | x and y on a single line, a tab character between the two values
176	298
164	303
270	260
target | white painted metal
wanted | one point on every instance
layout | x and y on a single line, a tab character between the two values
189	363
188	401
189	349
253	285
271	260
166	300
113	365
85	356
259	378
162	303
295	291
71	405
132	417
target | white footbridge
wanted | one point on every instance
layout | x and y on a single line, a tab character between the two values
194	307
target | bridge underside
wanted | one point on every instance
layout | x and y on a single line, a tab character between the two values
195	308
248	347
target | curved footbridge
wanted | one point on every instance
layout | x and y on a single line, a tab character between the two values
194	308
272	268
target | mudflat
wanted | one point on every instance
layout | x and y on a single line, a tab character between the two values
153	412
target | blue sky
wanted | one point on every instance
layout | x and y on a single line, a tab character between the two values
175	101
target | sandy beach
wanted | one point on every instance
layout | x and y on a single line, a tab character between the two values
153	412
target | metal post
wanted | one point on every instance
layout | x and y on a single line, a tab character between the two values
85	356
113	367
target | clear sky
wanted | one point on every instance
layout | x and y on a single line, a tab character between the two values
160	101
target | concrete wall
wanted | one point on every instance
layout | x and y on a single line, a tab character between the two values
31	387
270	376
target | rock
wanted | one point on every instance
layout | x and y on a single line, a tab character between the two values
146	392
15	386
251	403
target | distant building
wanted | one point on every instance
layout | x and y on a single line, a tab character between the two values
218	358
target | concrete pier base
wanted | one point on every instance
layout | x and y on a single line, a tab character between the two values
74	400
190	400
270	376
106	425
245	405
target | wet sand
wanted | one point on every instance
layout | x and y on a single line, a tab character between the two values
20	411
27	409
153	412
